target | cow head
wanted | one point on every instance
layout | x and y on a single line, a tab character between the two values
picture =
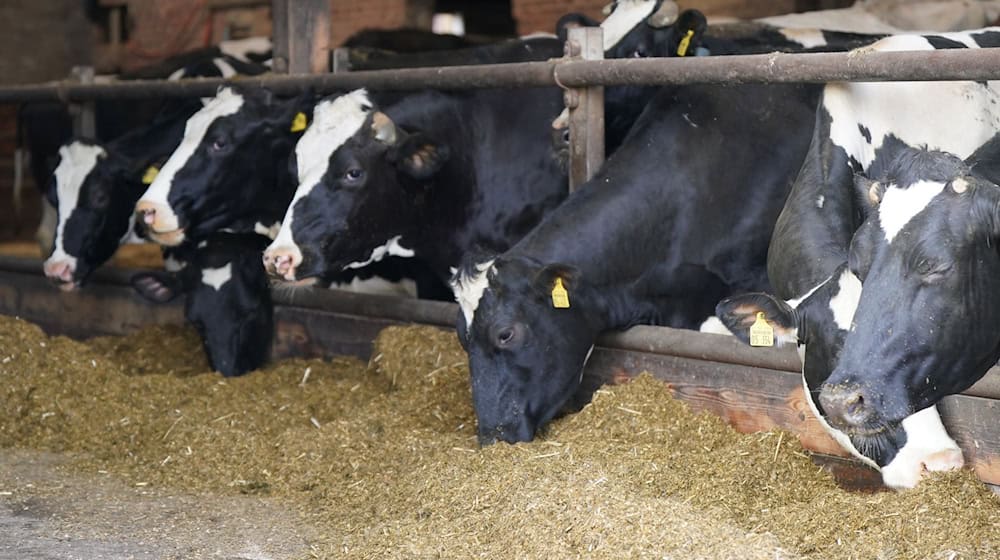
225	163
633	29
526	356
911	317
228	299
362	181
93	191
928	322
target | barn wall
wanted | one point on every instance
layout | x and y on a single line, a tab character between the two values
348	16
41	40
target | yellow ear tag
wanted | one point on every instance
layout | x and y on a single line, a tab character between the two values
299	122
682	47
761	333
560	297
150	174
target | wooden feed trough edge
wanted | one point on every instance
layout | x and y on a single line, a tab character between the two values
751	388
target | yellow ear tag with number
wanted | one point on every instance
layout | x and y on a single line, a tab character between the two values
150	174
682	47
560	297
761	333
299	122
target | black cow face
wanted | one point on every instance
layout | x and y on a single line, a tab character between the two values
228	299
928	322
231	157
526	356
93	193
361	184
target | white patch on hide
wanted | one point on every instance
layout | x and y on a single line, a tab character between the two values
845	303
217	277
900	205
469	289
627	15
391	248
928	446
714	325
808	38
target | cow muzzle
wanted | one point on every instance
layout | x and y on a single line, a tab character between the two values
60	272
848	407
158	223
282	262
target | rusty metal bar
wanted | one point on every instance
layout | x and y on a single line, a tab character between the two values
949	64
586	110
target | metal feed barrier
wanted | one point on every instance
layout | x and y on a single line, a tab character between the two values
753	389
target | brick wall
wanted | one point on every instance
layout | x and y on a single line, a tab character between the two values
350	16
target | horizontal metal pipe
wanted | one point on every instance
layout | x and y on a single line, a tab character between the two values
858	65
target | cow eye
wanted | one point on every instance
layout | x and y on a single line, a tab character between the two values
932	271
99	199
219	144
508	335
354	174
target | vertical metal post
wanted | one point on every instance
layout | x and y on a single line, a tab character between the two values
84	120
340	61
586	110
301	36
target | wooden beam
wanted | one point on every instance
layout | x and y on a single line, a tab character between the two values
586	110
301	36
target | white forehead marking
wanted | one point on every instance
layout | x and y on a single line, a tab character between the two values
224	67
899	206
469	289
226	102
76	161
627	15
956	117
391	247
820	201
333	123
845	303
217	277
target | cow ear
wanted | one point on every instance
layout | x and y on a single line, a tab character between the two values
688	33
868	191
420	157
739	312
558	281
383	129
572	21
158	287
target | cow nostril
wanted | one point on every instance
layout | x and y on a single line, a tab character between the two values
148	215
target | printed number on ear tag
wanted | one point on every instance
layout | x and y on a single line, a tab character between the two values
299	122
761	333
560	297
150	175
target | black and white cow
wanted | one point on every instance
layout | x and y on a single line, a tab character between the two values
229	171
657	28
227	298
891	289
94	190
662	230
434	175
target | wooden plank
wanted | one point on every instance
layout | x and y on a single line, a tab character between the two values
301	36
586	110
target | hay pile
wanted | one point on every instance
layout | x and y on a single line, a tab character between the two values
382	458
